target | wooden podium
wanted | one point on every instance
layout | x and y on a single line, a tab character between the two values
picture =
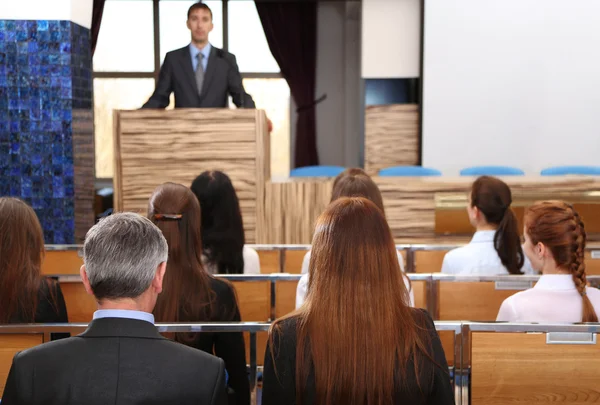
157	146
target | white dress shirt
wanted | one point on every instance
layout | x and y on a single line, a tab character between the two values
479	257
251	262
303	283
554	298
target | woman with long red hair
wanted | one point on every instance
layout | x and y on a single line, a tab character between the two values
25	295
355	341
554	243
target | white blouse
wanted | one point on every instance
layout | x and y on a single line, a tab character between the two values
479	257
303	283
554	298
251	262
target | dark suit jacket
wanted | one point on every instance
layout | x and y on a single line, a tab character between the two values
115	361
230	345
222	78
279	387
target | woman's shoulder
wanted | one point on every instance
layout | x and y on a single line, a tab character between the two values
251	260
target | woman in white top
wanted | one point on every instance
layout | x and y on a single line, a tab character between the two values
352	182
496	246
223	241
554	242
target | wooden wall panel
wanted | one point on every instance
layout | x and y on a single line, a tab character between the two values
391	136
153	147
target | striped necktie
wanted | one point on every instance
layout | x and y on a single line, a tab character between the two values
199	73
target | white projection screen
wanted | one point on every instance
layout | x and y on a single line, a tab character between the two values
510	82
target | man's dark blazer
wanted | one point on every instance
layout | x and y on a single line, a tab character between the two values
115	361
222	78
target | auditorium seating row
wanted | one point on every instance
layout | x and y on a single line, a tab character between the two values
495	363
418	258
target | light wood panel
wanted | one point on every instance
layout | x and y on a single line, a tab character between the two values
285	297
420	291
293	261
80	305
261	344
270	261
11	345
518	368
410	206
429	261
391	136
592	266
254	300
63	262
470	301
153	147
447	339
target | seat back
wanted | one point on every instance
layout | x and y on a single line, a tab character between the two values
11	344
270	260
472	300
293	261
491	171
522	368
428	261
571	170
80	305
317	171
254	301
409	171
64	262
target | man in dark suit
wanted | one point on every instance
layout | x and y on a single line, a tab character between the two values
199	74
121	357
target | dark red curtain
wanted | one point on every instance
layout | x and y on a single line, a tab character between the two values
291	31
96	20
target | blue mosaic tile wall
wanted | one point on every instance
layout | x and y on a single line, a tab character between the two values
45	75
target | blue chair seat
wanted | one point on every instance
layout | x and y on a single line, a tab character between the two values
409	171
491	171
572	170
317	171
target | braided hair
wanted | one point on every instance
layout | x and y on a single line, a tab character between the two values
559	227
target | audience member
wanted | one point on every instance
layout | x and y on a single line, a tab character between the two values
355	341
554	242
121	357
190	293
223	241
25	295
353	182
496	246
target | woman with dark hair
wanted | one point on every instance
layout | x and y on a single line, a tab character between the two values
353	182
495	248
355	341
25	295
555	243
190	294
223	241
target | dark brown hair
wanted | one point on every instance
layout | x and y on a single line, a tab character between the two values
354	182
21	253
186	295
199	6
354	330
492	197
559	227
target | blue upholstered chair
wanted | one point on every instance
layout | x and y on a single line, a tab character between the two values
317	171
491	171
409	171
573	170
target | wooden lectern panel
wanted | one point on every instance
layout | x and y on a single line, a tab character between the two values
157	146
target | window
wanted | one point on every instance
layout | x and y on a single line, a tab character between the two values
127	63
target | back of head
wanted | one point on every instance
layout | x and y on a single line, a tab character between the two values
356	293
121	254
21	252
186	292
222	227
559	227
493	198
355	182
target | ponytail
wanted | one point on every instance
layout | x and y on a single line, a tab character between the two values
508	243
578	268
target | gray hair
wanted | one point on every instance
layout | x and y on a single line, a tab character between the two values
121	254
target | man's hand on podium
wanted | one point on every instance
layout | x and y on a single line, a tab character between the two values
269	125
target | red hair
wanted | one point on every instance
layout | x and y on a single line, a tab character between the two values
559	227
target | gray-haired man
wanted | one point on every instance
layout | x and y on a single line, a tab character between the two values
121	357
